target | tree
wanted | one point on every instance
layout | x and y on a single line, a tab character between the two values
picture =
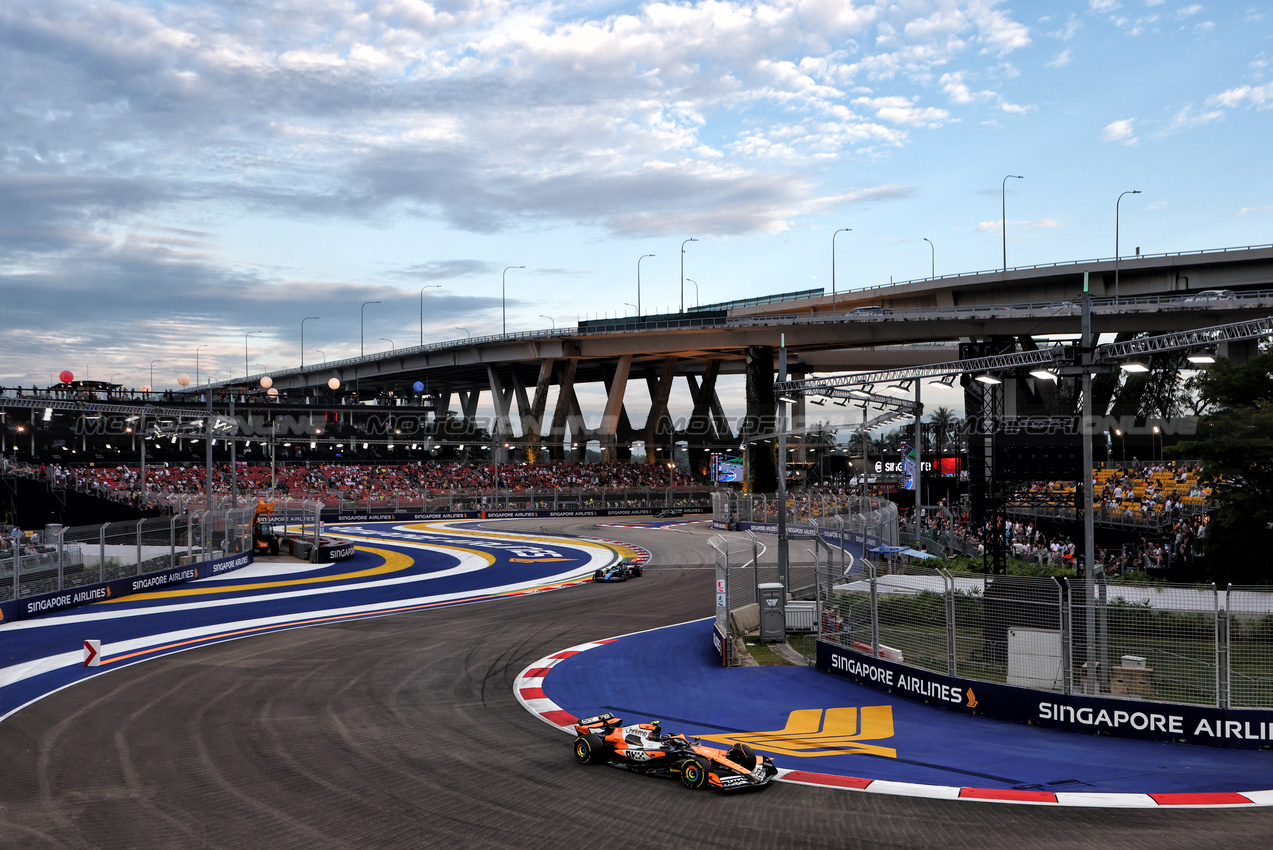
944	425
1235	445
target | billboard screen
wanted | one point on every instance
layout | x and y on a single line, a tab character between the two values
727	469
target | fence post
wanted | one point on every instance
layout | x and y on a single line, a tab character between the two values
172	541
875	616
840	522
951	649
1067	638
61	548
755	568
17	566
1222	648
137	531
101	560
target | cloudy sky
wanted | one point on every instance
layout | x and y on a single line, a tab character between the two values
177	174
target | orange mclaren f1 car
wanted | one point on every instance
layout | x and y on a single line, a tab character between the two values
645	748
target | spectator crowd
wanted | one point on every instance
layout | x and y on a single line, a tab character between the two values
331	482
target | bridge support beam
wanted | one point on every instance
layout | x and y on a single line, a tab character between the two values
533	419
659	433
564	410
701	430
614	418
503	429
762	418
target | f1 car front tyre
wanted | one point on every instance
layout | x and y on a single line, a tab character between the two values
694	772
588	748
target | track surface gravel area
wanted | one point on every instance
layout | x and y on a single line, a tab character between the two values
403	731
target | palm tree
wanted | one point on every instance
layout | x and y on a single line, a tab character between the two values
944	423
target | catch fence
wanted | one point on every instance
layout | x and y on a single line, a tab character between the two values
1189	644
74	557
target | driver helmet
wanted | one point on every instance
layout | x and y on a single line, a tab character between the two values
656	729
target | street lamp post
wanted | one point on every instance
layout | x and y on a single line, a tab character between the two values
303	321
362	324
683	244
196	362
697	301
467	333
503	295
152	372
638	304
392	347
633	306
549	318
324	353
246	368
422	289
833	235
933	252
1116	251
1004	214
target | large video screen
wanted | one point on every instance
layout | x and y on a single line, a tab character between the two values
727	469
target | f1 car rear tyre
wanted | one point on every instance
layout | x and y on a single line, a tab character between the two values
694	772
588	748
742	755
636	570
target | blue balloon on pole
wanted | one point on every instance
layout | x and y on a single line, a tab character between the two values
418	386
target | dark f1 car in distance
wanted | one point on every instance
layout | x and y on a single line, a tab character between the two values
644	748
617	572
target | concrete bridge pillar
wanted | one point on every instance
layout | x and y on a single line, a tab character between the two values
614	420
659	433
533	419
762	418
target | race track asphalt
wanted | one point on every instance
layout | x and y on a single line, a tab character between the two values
403	731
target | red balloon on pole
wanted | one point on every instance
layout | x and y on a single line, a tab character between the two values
66	376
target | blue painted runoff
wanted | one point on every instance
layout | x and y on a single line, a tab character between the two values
674	675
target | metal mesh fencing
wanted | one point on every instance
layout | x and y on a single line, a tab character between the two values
875	518
1156	642
74	557
1009	630
1165	643
1249	648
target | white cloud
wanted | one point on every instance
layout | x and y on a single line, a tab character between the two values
1187	11
901	110
1249	210
996	226
1060	60
1187	118
1261	97
1119	131
1103	6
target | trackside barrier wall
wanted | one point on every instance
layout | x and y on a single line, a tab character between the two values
48	603
71	558
1107	658
1157	721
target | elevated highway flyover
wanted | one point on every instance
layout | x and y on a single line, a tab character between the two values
882	327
